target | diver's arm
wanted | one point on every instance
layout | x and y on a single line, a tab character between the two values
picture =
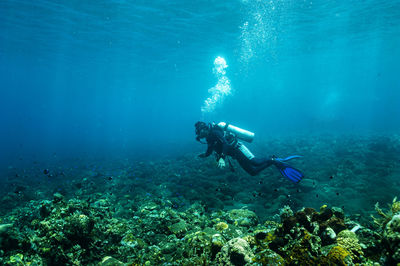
208	152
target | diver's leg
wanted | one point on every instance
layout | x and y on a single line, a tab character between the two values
253	165
244	159
248	161
262	162
259	164
247	166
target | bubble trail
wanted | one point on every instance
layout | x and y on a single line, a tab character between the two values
220	90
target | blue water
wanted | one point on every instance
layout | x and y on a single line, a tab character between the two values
115	77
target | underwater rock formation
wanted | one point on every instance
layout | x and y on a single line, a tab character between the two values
243	217
235	252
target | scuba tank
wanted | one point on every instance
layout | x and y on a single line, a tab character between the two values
240	133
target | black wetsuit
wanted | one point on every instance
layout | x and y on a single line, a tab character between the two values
226	144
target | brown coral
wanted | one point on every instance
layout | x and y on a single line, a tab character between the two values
338	256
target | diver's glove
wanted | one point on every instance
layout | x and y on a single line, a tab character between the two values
221	163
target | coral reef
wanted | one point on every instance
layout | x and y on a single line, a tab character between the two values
77	232
181	211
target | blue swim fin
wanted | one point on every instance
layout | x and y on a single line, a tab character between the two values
287	158
288	171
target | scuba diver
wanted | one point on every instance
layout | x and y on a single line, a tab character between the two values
223	139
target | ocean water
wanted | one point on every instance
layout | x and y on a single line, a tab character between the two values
102	97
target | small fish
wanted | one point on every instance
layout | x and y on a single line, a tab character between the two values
19	189
331	177
317	195
46	171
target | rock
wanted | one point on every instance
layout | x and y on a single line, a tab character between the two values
323	216
57	197
236	252
148	206
243	217
307	184
328	236
335	223
4	228
285	212
110	261
168	248
338	212
179	229
45	209
217	242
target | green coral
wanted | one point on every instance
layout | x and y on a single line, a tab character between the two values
349	241
17	259
129	240
221	226
392	236
385	217
395	207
